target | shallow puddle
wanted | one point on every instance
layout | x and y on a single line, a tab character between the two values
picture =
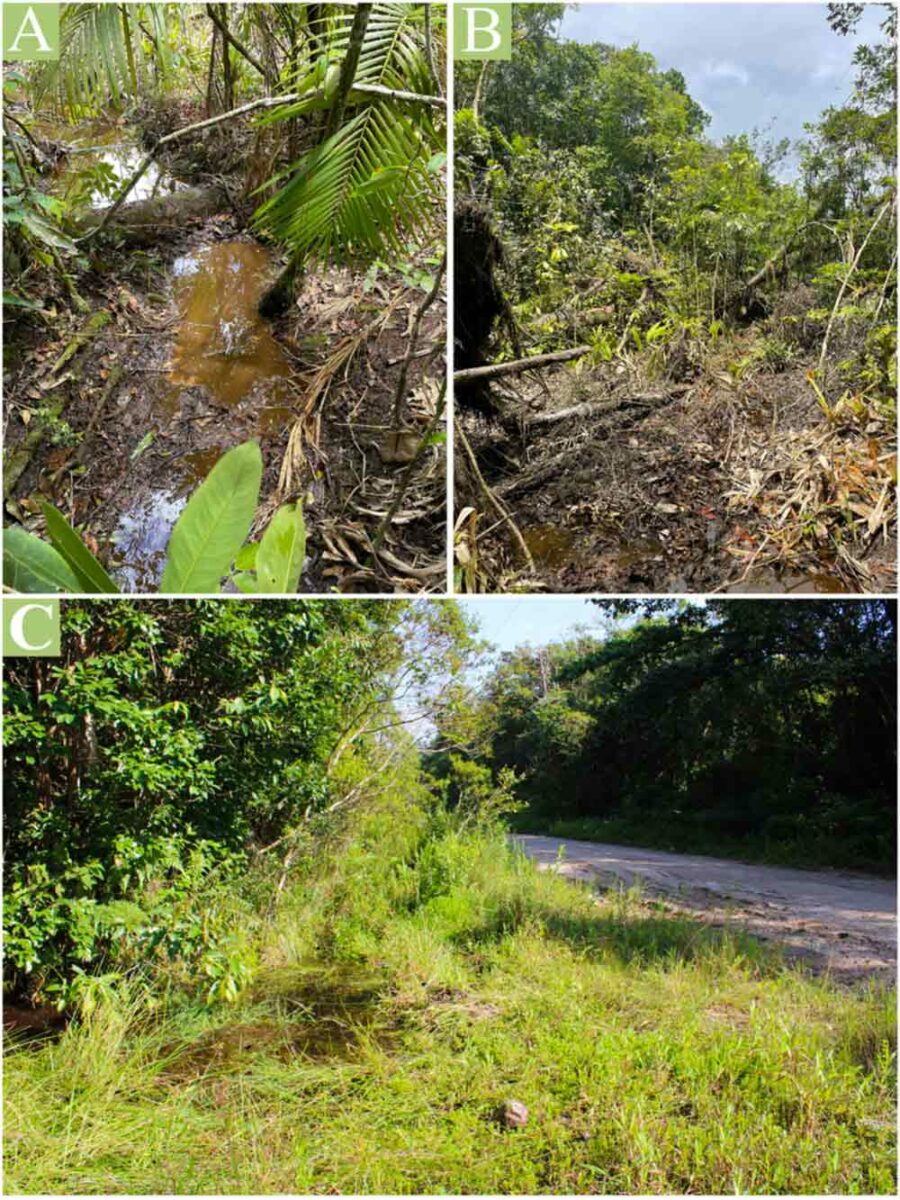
636	555
770	582
141	538
319	1015
226	348
114	153
223	344
550	545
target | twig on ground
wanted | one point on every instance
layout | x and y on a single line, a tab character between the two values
400	393
493	501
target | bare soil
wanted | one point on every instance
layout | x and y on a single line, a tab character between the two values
842	923
719	483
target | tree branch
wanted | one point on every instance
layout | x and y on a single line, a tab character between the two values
400	393
429	50
492	500
229	37
516	368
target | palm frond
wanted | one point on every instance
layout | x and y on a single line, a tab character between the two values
358	193
94	60
367	187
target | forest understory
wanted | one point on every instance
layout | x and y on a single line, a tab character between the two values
187	274
149	394
675	354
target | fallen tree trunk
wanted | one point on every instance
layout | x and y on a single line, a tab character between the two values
147	221
596	407
495	370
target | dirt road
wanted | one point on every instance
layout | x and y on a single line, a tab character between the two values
844	923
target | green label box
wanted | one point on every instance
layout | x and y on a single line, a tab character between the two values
31	628
30	32
482	31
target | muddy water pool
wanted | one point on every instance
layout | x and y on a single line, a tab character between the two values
113	153
224	348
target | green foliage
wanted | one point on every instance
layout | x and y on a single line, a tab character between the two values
215	523
206	545
175	744
417	978
370	184
30	565
625	227
761	729
91	575
107	51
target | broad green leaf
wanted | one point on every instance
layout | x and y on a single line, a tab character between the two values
91	575
21	301
214	524
246	557
245	581
279	559
46	233
30	565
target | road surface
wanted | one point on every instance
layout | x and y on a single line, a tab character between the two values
844	923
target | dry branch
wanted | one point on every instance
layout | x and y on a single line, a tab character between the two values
492	500
495	370
400	394
254	106
595	408
406	477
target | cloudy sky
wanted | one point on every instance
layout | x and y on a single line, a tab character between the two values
767	66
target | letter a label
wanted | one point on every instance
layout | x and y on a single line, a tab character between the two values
30	32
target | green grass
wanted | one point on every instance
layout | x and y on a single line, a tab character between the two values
405	995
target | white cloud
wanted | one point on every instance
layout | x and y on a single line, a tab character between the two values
829	68
724	69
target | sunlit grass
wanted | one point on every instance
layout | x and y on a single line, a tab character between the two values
654	1055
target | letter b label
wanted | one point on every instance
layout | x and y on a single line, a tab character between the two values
482	31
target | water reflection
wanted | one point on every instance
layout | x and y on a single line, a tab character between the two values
223	344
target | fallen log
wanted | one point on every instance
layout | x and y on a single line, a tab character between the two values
147	221
596	407
495	370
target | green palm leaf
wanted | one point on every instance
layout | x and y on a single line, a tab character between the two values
367	188
93	60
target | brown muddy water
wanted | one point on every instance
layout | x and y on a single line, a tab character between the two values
225	348
313	1014
223	343
556	548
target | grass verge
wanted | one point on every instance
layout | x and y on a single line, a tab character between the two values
422	981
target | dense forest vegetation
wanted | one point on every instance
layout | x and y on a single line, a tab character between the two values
764	729
173	746
224	231
265	934
726	309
